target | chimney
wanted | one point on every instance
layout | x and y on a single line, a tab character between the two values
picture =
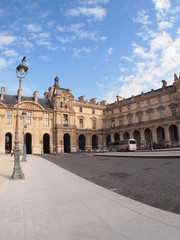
82	98
93	100
2	92
164	83
35	94
119	98
103	103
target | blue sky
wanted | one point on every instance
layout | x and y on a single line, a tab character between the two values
98	48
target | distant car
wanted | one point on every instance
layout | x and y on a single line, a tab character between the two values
90	150
103	149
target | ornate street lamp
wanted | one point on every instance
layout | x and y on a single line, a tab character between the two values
21	71
24	113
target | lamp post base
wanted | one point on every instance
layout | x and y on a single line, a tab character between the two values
17	174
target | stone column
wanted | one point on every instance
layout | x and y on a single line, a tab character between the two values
2	134
154	136
178	125
121	135
88	141
167	136
40	142
131	134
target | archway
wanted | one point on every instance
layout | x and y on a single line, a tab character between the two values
148	137
46	143
126	135
137	137
8	142
160	135
28	143
82	142
94	142
67	143
173	132
116	137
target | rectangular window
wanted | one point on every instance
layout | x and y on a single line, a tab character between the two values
140	117
159	99
161	113
121	121
130	119
174	113
46	119
150	115
113	123
94	124
9	117
149	102
171	96
104	124
65	120
81	123
28	118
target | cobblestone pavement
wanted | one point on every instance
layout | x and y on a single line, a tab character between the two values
153	181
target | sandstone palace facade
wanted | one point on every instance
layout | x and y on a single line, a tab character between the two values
58	123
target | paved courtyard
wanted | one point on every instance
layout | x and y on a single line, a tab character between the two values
153	181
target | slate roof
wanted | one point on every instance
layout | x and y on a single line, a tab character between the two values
11	100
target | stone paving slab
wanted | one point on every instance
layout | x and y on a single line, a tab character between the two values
52	203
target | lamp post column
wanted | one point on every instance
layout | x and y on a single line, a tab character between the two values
17	171
22	69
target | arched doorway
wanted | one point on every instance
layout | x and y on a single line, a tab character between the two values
94	142
173	132
160	135
67	143
137	137
116	137
108	140
82	142
148	137
126	135
46	143
8	142
28	143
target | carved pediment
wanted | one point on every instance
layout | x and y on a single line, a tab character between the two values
63	100
30	105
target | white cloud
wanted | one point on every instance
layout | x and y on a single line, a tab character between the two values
96	13
6	40
79	52
93	2
45	58
123	69
161	41
140	52
165	24
77	32
129	59
110	51
10	53
33	27
162	7
142	17
3	63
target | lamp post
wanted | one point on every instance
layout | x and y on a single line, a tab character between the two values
24	140
21	72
